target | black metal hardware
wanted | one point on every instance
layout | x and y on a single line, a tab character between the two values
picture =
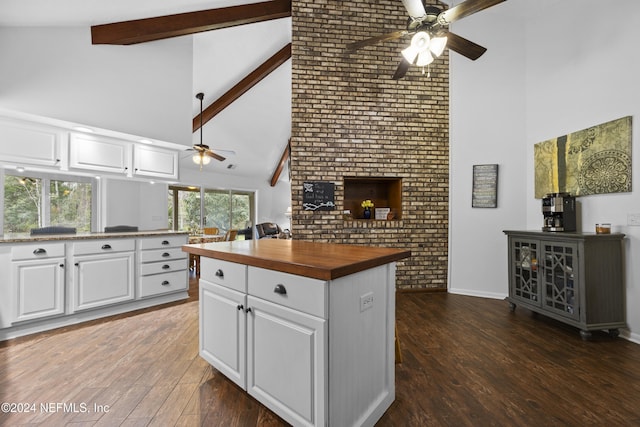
280	289
61	265
165	242
166	267
105	247
39	251
219	273
240	307
165	283
166	254
76	264
248	310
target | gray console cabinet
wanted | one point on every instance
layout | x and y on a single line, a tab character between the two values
576	278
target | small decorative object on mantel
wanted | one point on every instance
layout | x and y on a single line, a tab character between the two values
382	213
367	205
318	196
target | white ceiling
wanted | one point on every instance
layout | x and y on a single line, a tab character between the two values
256	127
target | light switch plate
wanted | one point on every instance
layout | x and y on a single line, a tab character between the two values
366	301
633	219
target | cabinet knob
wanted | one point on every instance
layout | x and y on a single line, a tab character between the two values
61	265
240	307
105	247
165	283
166	267
165	242
280	289
248	310
166	254
219	273
39	251
76	264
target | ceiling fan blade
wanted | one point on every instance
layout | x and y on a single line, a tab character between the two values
373	40
215	155
415	8
402	69
466	8
464	47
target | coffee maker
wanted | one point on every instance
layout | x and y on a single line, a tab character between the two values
559	211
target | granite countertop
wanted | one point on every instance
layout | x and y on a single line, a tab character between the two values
325	261
26	237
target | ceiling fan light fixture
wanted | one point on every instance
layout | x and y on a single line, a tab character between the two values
201	159
424	59
438	45
421	41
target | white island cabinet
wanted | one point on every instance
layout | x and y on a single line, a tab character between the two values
305	328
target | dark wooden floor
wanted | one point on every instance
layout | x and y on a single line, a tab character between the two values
466	362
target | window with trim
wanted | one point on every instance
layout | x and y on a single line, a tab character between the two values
191	209
40	200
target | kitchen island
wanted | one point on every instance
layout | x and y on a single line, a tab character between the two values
49	281
306	328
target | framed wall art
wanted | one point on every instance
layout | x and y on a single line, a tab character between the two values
485	186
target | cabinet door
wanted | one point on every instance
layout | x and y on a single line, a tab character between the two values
156	162
560	293
103	279
99	154
30	143
523	269
40	288
223	330
286	361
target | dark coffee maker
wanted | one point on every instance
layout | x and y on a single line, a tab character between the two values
559	211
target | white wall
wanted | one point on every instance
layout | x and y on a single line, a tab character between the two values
576	75
143	89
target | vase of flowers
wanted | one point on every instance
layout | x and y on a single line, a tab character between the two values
367	205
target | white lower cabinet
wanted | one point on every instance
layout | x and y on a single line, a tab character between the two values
278	354
39	277
103	273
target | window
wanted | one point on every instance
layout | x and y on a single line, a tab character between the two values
191	209
39	200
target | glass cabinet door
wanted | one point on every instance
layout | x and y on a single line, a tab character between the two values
524	270
560	293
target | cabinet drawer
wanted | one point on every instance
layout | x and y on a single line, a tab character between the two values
103	246
225	273
296	292
162	267
163	283
162	255
37	251
160	242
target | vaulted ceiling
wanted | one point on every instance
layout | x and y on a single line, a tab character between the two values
241	64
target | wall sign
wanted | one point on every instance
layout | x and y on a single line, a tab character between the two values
318	196
485	186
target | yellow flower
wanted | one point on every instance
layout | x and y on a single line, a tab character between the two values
367	204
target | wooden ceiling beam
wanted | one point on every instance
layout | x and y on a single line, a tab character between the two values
163	27
281	163
243	86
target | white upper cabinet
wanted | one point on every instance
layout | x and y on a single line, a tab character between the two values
29	143
155	162
99	154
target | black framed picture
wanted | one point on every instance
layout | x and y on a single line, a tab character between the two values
485	186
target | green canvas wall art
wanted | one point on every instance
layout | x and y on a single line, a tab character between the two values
591	161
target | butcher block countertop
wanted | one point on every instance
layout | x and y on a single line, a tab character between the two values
325	261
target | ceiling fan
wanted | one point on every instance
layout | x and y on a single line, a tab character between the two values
202	157
429	26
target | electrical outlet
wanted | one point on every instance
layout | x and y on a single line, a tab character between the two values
633	219
366	301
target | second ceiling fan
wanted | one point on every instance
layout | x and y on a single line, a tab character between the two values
431	35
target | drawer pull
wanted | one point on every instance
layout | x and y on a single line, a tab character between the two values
166	254
219	273
240	307
166	267
165	242
105	247
280	289
39	251
165	283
